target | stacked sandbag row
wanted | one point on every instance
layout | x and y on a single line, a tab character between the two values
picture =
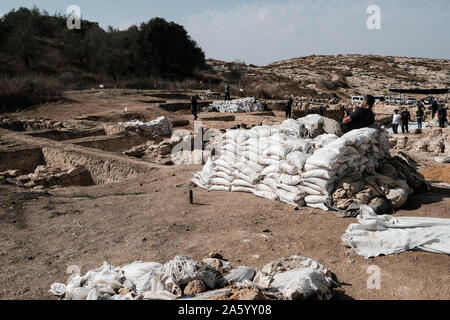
265	161
357	151
159	127
236	106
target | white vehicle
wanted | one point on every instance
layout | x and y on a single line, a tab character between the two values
400	101
411	100
357	99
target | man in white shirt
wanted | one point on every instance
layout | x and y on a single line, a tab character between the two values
396	121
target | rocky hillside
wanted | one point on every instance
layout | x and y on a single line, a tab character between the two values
339	75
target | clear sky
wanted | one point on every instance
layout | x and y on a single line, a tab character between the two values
261	32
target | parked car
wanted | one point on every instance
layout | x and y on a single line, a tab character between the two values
357	99
411	101
400	101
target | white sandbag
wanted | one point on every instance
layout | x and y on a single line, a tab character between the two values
301	145
323	158
240	274
137	269
264	187
315	199
319	173
220	182
383	235
310	120
290	180
325	139
321	183
242	189
222	162
249	169
310	191
58	289
224	170
266	194
270	182
199	182
278	150
301	284
219	188
271	169
297	159
267	161
222	175
239	175
289	169
320	206
289	197
398	196
241	183
288	188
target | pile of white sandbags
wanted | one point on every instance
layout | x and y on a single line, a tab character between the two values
265	161
359	150
279	163
291	278
235	106
160	127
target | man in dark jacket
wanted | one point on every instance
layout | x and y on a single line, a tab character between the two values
420	117
406	117
442	115
194	106
289	107
227	92
434	109
362	117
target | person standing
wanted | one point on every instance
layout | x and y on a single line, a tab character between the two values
289	107
227	92
396	121
442	116
194	106
434	109
406	117
420	117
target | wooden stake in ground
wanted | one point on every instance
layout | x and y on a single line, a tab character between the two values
191	196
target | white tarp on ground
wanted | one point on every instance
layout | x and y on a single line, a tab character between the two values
159	127
235	106
292	278
384	235
279	163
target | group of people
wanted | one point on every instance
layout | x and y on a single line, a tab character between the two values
404	117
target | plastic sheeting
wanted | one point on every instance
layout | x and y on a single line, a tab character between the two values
384	235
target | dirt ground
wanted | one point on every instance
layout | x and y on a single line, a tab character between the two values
149	218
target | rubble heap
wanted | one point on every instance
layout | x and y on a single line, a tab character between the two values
47	176
182	278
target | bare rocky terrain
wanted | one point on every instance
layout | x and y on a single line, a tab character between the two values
94	194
